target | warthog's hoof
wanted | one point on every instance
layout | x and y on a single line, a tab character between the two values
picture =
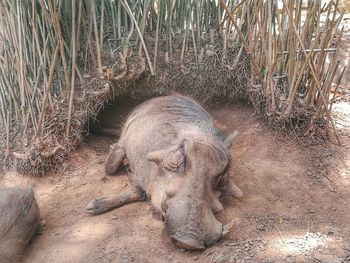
96	206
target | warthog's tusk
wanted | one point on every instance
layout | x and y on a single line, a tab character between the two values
233	190
226	228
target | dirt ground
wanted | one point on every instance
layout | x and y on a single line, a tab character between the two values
295	206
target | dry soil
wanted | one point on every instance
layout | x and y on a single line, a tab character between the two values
296	204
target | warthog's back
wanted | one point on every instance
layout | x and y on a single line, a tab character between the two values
177	111
19	219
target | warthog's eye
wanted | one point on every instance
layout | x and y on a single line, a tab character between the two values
218	179
171	159
176	162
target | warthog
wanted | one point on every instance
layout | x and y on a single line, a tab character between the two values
178	160
19	220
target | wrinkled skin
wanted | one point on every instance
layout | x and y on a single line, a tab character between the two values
178	160
19	220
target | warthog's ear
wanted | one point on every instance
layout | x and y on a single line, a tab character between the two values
230	139
171	159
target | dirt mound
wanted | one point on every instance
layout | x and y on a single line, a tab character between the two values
289	213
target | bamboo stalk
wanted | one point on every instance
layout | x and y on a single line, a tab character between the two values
8	129
102	22
143	23
21	69
241	37
184	42
98	50
119	20
48	85
125	4
309	50
80	7
232	11
58	31
194	45
269	57
336	88
71	97
157	38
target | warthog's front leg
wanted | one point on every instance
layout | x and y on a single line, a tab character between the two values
106	203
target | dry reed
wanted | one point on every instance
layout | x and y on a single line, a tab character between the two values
60	61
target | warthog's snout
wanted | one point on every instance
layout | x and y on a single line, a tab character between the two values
191	242
187	242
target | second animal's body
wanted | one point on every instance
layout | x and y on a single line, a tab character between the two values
19	221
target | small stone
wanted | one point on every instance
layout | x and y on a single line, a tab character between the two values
195	258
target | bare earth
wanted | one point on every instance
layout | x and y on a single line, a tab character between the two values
292	211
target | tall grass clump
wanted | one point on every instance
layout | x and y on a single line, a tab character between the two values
60	61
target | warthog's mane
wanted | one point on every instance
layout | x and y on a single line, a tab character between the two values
213	148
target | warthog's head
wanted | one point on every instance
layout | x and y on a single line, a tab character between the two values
193	166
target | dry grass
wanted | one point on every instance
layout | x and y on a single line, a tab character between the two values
273	56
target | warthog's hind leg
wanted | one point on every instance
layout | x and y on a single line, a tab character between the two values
106	203
115	158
